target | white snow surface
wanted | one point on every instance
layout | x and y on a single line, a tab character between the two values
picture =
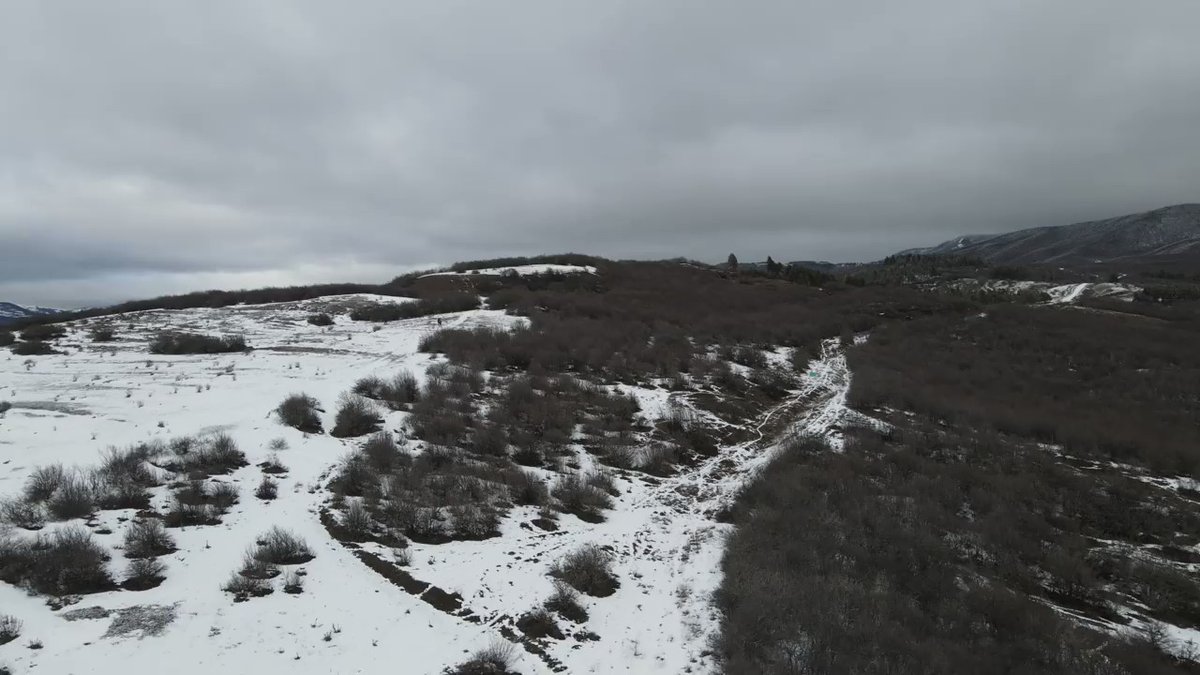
522	270
662	532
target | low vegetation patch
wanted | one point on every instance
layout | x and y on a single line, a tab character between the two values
69	561
494	660
33	348
196	343
444	304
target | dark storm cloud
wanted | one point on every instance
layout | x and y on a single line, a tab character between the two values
165	146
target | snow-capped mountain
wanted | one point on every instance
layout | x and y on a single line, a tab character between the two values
10	312
1172	232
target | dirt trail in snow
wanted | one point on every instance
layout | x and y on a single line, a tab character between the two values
666	541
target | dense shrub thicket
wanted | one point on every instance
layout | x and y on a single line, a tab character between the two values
33	348
657	319
1100	384
194	343
6	338
441	304
925	553
69	561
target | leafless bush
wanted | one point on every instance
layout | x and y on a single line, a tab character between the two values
223	496
267	489
565	602
185	515
23	514
204	456
398	392
10	628
74	498
144	573
293	583
357	519
243	588
147	539
68	561
493	660
254	567
321	319
44	482
272	465
577	497
195	343
300	411
280	547
355	417
102	334
539	623
382	454
587	569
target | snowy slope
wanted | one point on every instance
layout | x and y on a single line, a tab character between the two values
70	407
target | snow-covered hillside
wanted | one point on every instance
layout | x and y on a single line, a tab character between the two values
522	270
68	408
10	312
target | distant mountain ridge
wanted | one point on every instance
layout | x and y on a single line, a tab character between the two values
11	313
1171	232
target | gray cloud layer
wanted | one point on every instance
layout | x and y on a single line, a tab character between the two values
166	146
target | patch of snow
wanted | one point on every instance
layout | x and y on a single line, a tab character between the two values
521	270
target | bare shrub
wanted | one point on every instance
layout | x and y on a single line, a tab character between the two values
272	465
44	482
6	338
355	417
280	547
129	465
69	561
23	514
589	570
74	498
539	623
144	573
147	539
10	628
205	456
495	659
267	489
577	497
565	602
254	567
300	411
489	439
185	515
357	520
382	454
293	583
102	334
224	496
243	588
320	319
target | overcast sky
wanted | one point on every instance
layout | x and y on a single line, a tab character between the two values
158	146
